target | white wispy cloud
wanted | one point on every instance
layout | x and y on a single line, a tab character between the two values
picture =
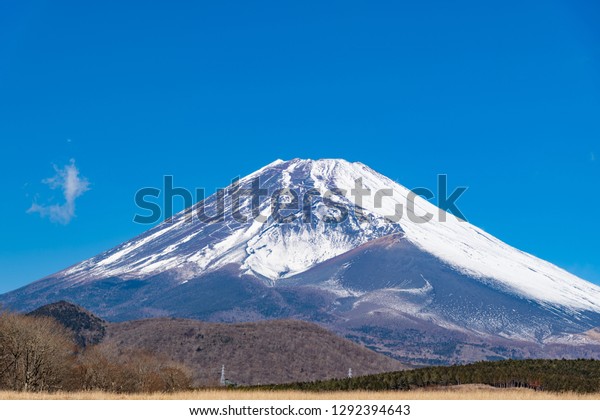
72	185
592	156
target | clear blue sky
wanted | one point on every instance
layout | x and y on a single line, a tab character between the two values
503	96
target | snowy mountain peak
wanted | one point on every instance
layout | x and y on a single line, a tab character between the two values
289	216
303	216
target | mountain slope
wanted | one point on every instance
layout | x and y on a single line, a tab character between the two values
280	351
314	252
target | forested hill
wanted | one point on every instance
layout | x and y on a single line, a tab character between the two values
579	375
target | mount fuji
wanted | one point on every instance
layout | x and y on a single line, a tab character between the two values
292	240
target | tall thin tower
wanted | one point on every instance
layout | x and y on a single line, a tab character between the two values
222	381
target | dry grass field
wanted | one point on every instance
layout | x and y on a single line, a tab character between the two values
464	392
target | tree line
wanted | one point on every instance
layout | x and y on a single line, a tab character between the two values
581	376
38	354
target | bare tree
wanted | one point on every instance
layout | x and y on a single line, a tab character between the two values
109	369
35	354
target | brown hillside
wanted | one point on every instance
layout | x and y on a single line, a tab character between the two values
253	353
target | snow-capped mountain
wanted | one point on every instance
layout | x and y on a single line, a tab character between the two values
265	246
293	240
